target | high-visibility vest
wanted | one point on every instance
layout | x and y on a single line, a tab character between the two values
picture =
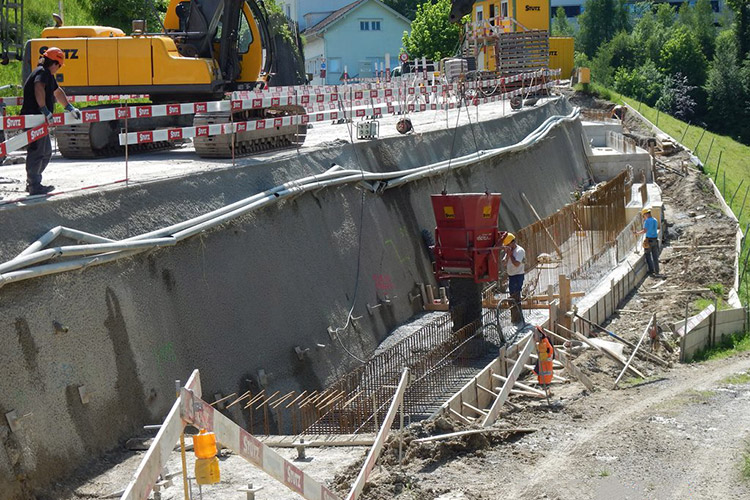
544	368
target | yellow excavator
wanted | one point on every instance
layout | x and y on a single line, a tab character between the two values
206	49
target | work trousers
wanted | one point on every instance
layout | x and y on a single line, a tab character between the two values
652	255
515	284
38	155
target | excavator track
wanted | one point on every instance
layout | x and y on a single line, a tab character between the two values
101	139
250	142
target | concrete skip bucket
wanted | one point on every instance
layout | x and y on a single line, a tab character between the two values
467	240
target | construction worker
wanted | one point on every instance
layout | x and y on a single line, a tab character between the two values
515	257
39	95
544	368
651	242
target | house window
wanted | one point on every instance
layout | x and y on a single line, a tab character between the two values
504	9
479	13
369	25
572	10
334	65
288	10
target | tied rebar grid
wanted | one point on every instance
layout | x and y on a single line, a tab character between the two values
439	360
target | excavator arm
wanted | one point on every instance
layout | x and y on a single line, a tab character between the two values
459	8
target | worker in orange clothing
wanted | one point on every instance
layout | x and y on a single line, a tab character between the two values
544	368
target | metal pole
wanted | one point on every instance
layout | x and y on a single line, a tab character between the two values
742	207
685	132
742	181
695	151
718	165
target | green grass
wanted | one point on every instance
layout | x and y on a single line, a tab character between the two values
745	466
729	346
604	473
737	378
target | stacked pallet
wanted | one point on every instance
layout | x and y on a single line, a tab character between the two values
522	51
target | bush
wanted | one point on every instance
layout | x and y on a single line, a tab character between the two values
676	97
643	83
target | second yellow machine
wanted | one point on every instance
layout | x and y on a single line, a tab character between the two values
206	48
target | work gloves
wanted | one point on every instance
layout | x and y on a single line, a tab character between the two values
47	114
76	112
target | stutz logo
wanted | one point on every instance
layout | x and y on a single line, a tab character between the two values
533	7
36	133
13	123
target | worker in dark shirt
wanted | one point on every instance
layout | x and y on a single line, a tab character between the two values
39	95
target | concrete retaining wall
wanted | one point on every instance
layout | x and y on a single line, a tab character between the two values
238	299
708	328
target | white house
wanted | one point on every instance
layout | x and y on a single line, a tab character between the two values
356	37
309	12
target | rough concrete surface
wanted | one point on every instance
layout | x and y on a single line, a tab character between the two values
237	299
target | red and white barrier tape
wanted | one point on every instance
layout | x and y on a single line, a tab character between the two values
313	105
177	133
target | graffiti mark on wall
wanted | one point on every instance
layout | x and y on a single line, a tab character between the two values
382	282
165	356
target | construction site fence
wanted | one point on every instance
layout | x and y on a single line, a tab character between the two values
373	102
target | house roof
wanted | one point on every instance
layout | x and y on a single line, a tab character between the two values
336	16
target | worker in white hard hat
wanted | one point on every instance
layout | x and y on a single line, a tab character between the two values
651	243
515	257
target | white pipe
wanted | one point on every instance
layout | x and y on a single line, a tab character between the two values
74	250
75	234
59	267
42	242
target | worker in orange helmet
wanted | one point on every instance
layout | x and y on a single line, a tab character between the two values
40	91
544	368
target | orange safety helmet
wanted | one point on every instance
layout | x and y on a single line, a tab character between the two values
55	54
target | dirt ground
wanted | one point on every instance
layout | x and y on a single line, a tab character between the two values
683	432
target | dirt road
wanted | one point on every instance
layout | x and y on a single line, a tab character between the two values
676	437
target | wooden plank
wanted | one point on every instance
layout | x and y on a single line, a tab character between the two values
475	409
385	429
522	386
575	371
606	351
505	391
156	457
440	437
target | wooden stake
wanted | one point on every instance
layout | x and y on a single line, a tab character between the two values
565	301
645	332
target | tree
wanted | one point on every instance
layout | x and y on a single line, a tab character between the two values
599	22
643	82
432	34
724	87
741	10
682	54
560	25
120	14
665	15
703	27
675	97
407	8
649	36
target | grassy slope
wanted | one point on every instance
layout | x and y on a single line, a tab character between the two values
735	165
37	16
